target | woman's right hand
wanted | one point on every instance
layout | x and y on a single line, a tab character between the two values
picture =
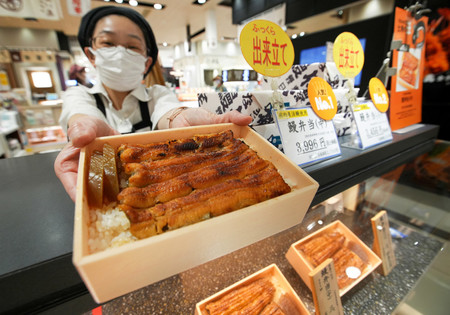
82	130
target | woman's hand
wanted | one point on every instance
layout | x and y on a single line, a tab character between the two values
82	131
200	116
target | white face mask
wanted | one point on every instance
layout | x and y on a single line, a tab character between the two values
119	68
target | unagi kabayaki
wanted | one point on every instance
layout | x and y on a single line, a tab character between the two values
171	184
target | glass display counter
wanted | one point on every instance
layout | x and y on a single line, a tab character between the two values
376	294
417	243
37	274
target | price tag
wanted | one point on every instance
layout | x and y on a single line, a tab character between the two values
379	95
348	54
382	245
325	289
373	126
267	48
305	137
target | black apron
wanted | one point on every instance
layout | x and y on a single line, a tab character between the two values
143	106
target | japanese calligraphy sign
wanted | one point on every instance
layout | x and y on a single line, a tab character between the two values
373	126
378	94
322	98
406	85
348	54
306	137
267	48
382	245
325	289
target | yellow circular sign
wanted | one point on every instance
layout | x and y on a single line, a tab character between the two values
348	54
267	48
322	98
379	95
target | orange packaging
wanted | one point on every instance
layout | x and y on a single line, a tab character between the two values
406	86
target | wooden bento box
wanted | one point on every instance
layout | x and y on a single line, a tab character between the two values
284	295
303	266
117	271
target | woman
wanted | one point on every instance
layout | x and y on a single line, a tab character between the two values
121	46
78	74
218	84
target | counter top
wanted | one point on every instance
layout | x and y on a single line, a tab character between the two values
36	270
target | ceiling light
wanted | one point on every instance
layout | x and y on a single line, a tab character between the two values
165	44
302	34
133	3
201	1
119	1
294	36
157	6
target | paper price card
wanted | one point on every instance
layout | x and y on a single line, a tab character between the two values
373	126
267	48
325	289
379	95
306	137
382	245
348	54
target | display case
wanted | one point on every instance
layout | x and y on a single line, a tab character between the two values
37	273
40	126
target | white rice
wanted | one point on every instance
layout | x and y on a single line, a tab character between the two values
108	228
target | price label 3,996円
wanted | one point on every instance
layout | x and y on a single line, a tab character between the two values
306	138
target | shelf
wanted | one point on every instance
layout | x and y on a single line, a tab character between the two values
36	270
354	166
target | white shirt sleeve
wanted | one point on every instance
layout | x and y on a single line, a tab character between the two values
76	100
162	101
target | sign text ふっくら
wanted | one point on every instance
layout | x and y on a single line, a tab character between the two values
267	48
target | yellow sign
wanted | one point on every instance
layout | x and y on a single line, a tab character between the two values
348	54
360	107
286	114
379	95
267	48
322	98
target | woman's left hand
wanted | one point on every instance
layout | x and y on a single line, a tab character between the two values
200	116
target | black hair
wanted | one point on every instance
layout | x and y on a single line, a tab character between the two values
90	19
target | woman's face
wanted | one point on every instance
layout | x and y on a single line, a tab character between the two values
117	30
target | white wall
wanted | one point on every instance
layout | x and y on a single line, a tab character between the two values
18	38
369	10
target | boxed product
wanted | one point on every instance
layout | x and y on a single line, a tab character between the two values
265	292
117	271
343	121
353	260
271	133
257	104
298	77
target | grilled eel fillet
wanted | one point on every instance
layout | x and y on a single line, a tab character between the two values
249	299
322	247
176	183
147	173
272	309
162	150
238	167
343	259
213	201
331	245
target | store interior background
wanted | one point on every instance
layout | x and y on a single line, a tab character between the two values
196	43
